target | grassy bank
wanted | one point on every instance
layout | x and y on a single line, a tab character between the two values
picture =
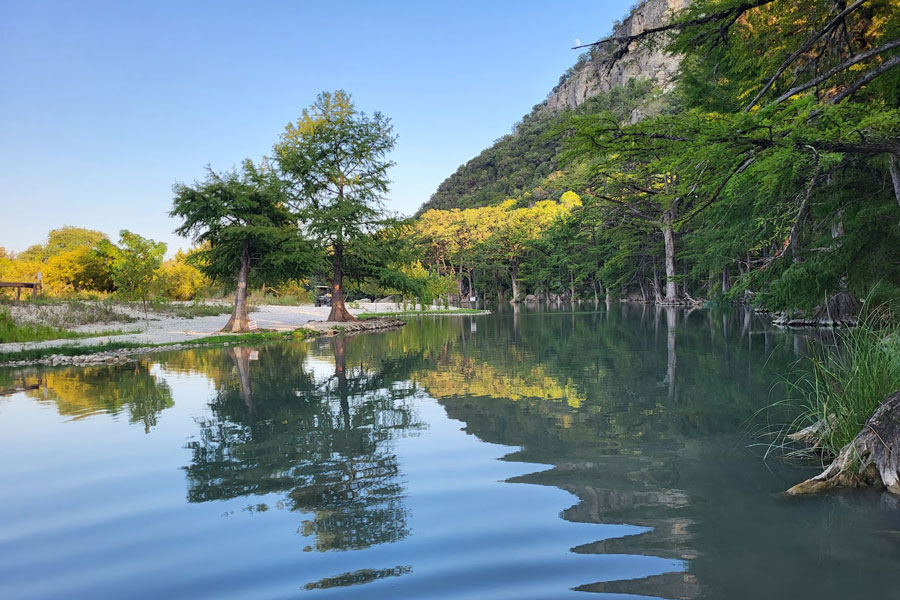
416	313
847	380
13	332
212	340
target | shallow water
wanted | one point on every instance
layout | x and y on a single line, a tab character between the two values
525	454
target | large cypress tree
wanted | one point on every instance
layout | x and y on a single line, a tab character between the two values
246	231
333	161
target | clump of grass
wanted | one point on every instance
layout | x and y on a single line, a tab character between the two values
847	380
190	311
11	331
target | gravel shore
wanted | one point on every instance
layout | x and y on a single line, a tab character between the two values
173	330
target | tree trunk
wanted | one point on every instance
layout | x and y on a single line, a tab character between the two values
239	320
339	312
657	290
894	165
669	236
514	280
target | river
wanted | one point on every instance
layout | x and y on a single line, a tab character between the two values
531	453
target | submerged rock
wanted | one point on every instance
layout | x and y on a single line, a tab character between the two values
869	460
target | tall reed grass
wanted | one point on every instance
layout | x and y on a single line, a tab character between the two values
847	380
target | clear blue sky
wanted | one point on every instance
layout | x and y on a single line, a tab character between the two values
104	105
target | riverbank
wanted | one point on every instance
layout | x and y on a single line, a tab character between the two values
165	331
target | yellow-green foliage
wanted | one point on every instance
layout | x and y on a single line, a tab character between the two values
180	280
75	262
494	235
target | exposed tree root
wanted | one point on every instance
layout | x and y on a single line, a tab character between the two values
869	460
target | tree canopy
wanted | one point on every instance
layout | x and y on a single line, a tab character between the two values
245	231
333	161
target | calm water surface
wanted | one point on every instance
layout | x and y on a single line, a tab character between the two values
516	455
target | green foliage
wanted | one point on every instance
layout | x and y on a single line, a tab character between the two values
237	210
333	162
846	381
62	240
134	269
768	162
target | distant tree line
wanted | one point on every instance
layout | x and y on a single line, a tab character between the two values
77	262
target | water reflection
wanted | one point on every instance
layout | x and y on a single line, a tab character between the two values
98	389
640	413
323	442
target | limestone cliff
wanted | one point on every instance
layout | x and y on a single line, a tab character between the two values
591	75
522	163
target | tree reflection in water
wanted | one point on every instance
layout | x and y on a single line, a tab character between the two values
323	441
80	392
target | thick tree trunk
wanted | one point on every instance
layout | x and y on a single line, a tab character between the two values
669	237
339	312
239	320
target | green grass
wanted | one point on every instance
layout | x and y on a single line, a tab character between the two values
415	313
213	340
187	311
12	332
847	380
63	314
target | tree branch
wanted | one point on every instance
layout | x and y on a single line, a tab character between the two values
854	87
802	49
844	65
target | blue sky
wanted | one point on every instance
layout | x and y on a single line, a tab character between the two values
104	105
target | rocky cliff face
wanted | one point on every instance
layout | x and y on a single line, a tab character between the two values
590	77
519	163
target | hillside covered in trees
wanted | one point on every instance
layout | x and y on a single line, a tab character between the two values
720	149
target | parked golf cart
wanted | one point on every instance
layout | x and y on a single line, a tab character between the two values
323	295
